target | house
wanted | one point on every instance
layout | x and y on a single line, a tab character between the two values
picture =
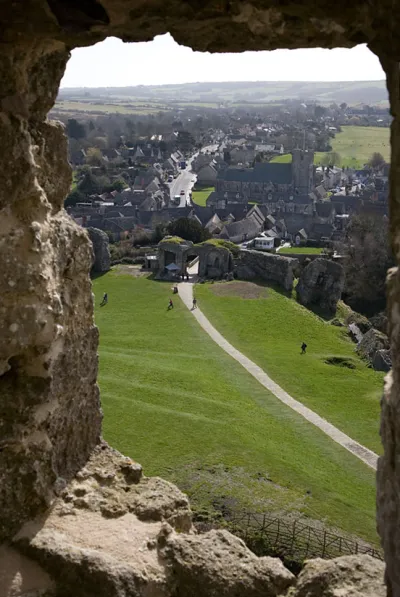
245	229
263	243
214	224
207	175
300	237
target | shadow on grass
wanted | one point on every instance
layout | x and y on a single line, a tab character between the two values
321	313
95	275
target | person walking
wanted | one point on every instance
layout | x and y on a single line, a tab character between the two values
104	300
303	348
194	303
170	305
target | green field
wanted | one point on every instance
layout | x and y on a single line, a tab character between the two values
200	196
301	250
107	108
358	143
177	403
355	144
270	331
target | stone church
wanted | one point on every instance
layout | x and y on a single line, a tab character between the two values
269	182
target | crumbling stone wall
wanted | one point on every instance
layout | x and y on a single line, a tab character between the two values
101	250
268	266
321	284
214	262
50	412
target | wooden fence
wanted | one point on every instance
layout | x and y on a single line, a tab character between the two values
294	540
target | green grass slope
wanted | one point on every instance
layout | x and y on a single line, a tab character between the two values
355	144
200	195
177	403
270	331
358	143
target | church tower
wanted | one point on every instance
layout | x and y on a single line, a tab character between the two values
302	171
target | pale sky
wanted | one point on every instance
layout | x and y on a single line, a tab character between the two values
112	63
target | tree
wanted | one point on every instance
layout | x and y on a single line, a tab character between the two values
159	233
188	229
367	258
73	198
75	129
319	111
376	160
89	184
331	159
94	157
116	185
343	106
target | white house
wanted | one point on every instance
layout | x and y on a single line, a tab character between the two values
264	243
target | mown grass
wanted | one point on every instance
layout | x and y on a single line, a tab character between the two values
360	142
271	330
177	403
301	250
200	195
355	145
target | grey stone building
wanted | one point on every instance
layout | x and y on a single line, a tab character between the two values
270	181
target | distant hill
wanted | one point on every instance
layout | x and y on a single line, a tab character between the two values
351	92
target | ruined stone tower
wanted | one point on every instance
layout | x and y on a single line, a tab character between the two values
302	171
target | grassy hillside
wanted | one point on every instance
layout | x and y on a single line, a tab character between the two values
254	92
355	144
177	403
270	331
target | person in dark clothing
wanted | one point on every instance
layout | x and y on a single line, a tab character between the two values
104	300
303	348
170	304
194	303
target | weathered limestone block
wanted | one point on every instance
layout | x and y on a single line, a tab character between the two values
101	250
22	577
321	284
218	564
112	533
50	416
349	576
267	266
382	360
380	322
371	342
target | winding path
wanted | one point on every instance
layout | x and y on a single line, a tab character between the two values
363	453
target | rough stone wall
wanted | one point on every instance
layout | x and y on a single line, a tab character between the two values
49	409
180	251
388	475
213	261
321	284
101	250
267	266
50	416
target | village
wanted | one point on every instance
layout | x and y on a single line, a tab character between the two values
261	178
